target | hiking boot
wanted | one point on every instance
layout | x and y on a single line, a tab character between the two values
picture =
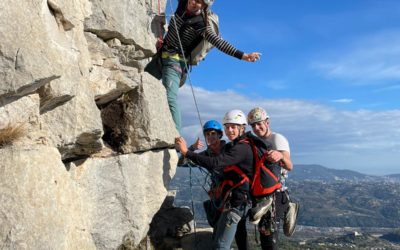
289	223
261	208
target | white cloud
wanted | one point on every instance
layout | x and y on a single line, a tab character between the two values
369	59
343	100
360	140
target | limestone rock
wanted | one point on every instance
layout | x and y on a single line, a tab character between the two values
69	69
125	192
58	50
75	128
40	206
127	20
75	61
56	65
24	65
141	119
109	79
25	112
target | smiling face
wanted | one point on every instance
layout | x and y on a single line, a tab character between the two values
195	5
260	128
212	137
233	131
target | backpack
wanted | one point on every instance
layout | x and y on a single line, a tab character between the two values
265	179
199	52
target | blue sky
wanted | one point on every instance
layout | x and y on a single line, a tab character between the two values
329	77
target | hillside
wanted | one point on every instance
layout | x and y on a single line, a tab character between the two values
321	173
334	198
347	204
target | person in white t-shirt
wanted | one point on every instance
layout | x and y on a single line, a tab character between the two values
282	208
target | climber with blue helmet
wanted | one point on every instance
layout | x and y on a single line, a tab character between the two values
232	194
212	131
193	28
212	125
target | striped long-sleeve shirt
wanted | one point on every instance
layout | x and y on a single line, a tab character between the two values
190	33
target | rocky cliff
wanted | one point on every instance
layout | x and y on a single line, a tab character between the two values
85	134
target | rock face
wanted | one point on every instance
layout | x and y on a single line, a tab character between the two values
39	203
124	192
93	164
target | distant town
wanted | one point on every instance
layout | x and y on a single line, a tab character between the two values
340	209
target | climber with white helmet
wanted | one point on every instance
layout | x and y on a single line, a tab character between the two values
191	25
236	160
213	133
268	211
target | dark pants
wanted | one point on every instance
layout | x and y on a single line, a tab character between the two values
241	235
270	242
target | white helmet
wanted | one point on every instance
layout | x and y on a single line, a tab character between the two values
209	2
256	115
236	117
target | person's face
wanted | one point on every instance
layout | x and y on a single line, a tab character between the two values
232	131
196	5
260	128
212	137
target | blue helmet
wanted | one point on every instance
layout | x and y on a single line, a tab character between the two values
212	125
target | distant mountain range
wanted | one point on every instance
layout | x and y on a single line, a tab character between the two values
345	203
328	197
321	173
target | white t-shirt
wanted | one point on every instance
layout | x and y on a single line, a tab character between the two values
280	143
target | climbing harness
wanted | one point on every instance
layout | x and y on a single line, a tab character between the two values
198	115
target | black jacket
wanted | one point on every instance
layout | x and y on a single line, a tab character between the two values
234	153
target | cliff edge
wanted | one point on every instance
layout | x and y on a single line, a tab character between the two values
86	137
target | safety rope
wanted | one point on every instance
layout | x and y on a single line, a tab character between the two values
189	79
199	117
187	69
192	203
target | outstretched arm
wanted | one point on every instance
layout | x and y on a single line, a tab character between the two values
233	156
228	48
